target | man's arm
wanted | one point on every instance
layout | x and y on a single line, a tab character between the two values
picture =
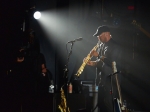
95	54
44	70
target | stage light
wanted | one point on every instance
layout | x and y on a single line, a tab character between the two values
131	7
116	22
37	15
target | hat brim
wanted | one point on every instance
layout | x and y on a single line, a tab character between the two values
100	30
95	35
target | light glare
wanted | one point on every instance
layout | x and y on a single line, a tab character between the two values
37	15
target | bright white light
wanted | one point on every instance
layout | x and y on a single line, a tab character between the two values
51	86
37	15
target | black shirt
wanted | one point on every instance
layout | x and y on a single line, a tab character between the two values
112	52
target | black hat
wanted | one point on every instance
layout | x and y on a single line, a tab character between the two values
101	29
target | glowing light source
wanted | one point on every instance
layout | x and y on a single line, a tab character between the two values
130	7
37	15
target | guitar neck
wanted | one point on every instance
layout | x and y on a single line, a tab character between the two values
119	89
117	82
142	29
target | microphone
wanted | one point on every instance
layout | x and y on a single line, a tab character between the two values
114	73
78	39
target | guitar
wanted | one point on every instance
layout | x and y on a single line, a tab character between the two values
118	103
138	25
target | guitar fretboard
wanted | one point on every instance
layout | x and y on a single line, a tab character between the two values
117	82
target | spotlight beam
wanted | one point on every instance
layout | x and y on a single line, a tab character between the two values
37	15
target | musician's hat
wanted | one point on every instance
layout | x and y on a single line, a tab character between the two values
101	29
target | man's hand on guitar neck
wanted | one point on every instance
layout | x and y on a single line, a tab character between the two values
94	53
91	63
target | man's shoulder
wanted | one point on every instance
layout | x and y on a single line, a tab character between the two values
114	42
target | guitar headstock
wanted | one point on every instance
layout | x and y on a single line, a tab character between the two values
136	24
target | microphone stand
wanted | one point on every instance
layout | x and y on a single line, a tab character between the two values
96	106
111	90
66	73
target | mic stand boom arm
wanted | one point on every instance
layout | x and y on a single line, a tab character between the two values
66	75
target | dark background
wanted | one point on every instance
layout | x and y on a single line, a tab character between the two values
80	18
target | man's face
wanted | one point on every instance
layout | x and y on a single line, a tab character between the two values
104	37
